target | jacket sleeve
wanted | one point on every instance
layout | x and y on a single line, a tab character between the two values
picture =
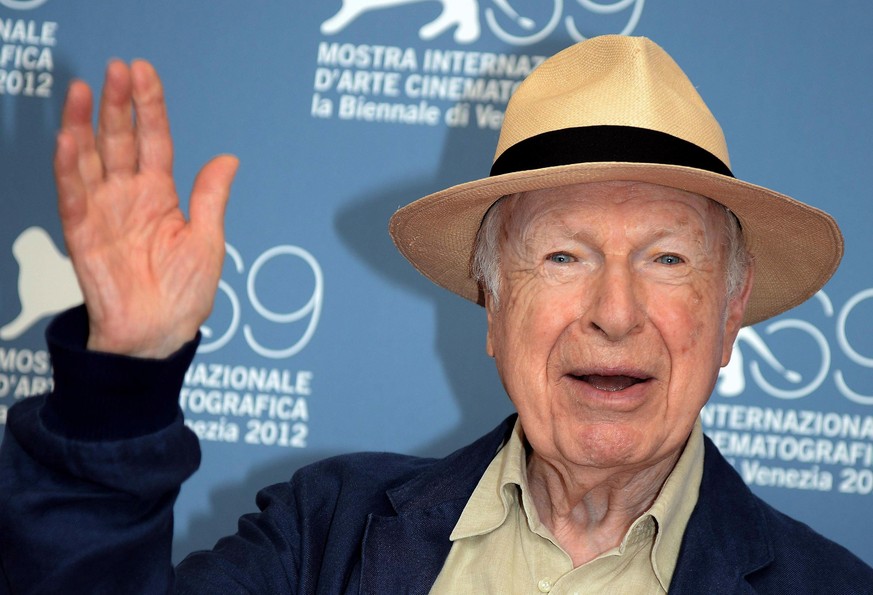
89	473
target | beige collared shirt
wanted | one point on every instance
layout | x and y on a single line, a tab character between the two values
499	544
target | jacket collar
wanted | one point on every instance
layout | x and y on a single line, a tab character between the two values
727	537
404	553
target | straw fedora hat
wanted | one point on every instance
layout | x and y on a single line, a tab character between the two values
619	108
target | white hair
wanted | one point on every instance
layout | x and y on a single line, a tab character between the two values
485	264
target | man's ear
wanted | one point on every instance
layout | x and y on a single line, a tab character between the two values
736	310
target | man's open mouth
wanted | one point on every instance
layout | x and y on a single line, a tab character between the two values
610	383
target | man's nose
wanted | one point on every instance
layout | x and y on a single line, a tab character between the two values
616	310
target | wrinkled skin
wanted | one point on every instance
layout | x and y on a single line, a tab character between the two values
148	273
612	323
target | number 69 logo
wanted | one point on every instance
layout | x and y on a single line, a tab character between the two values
797	385
312	308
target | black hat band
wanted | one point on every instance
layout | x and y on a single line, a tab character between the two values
591	144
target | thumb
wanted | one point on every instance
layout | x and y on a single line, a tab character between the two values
210	194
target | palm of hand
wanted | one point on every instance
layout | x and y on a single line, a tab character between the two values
148	275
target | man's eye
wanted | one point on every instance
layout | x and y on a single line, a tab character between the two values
560	258
670	259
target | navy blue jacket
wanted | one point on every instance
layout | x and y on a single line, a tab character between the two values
380	523
84	514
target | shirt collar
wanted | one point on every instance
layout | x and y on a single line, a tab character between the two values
493	497
506	476
674	505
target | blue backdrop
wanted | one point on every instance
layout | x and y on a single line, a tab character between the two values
324	340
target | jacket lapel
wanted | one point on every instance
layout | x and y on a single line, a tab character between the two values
726	538
405	552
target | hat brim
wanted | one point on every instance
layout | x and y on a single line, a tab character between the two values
796	247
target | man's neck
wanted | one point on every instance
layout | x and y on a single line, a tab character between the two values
590	510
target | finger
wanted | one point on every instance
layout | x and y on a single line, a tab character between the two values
116	141
76	121
70	185
210	195
154	143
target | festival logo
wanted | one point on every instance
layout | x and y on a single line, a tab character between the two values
463	15
506	20
258	405
781	442
46	282
292	264
47	285
458	86
780	380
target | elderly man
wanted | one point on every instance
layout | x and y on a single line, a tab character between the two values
614	254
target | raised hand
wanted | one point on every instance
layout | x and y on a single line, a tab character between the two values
148	275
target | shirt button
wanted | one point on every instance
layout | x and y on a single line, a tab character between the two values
545	585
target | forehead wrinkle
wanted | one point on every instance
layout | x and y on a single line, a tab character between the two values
680	228
705	235
523	215
524	218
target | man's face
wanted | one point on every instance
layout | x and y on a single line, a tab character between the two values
613	319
